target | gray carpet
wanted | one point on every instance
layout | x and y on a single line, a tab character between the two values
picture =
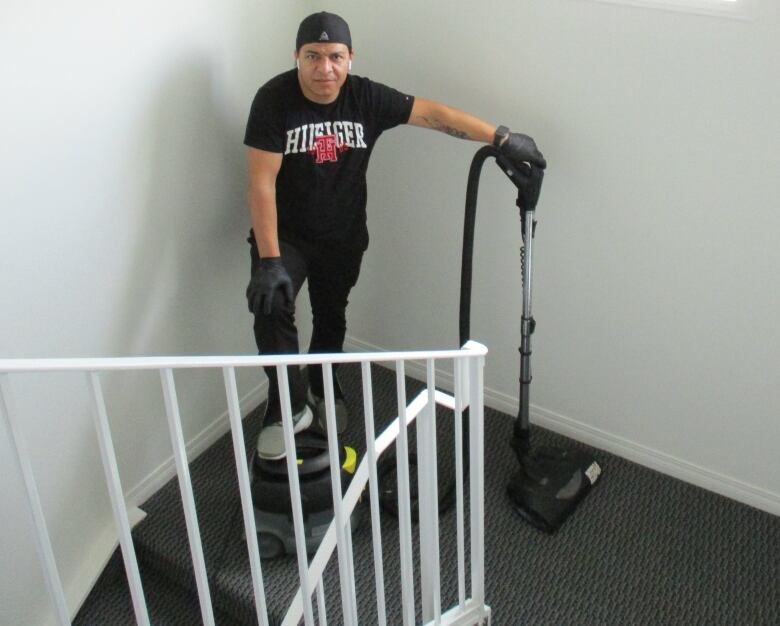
642	548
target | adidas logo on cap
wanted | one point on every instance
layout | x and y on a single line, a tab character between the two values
323	28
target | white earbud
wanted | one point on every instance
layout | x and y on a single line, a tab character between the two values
349	67
297	64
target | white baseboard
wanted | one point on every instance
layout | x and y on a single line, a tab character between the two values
643	455
660	461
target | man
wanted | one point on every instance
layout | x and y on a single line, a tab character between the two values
310	134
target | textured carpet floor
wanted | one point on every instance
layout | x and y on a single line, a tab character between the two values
642	548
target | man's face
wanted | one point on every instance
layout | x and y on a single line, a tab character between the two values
322	70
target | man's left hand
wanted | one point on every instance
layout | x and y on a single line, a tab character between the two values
520	148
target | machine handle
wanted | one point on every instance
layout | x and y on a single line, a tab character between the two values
527	178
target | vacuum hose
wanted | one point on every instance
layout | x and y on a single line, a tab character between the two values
468	240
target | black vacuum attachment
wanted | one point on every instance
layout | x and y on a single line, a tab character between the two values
550	484
551	481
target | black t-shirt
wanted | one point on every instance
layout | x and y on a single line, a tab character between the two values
321	186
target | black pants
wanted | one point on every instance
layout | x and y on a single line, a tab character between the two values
332	269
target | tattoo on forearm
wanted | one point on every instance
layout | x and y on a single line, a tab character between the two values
452	132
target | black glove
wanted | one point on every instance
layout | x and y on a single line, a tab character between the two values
519	148
268	277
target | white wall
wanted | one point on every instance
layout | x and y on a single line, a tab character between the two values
123	226
123	220
656	256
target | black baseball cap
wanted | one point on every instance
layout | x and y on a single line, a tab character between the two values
323	27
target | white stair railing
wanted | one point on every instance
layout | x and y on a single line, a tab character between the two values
468	363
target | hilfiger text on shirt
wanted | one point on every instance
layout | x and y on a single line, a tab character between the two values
325	140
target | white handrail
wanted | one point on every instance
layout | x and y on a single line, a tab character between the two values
468	367
472	348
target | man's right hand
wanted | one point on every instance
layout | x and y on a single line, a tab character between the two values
268	277
519	148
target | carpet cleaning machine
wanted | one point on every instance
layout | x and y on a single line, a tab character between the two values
550	482
271	494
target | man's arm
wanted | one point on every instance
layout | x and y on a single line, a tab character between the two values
437	116
263	169
518	148
270	275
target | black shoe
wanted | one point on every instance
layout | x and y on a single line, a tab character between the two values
318	406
